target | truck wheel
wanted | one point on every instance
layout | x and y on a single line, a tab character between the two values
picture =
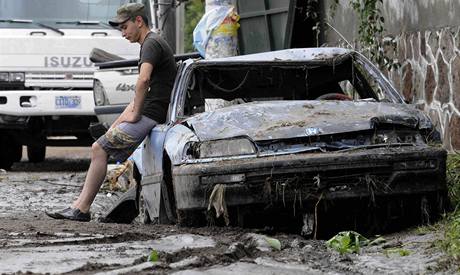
7	157
6	162
36	153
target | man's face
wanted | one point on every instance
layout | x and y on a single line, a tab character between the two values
130	30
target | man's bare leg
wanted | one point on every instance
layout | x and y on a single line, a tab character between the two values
94	178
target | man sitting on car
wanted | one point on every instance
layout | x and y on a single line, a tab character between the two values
157	70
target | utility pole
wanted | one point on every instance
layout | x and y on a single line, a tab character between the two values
180	24
167	21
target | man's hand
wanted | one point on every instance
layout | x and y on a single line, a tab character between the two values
132	117
127	116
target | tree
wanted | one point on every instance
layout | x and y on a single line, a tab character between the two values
194	10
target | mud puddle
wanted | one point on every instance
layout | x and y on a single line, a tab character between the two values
69	253
32	242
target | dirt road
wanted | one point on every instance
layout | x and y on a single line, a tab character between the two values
32	242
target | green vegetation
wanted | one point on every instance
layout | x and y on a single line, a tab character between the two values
194	10
453	178
153	257
451	225
351	242
371	31
398	251
451	242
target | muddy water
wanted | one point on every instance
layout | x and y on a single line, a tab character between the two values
32	242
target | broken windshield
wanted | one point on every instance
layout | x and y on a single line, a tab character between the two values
51	12
218	85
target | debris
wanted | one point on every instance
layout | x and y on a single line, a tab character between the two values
2	171
132	269
238	250
121	177
216	35
308	224
185	262
217	200
262	242
295	243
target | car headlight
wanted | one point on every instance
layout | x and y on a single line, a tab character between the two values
224	148
99	94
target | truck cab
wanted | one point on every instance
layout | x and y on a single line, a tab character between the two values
46	75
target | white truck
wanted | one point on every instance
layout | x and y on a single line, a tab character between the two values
46	75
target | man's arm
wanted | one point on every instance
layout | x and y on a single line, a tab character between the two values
133	111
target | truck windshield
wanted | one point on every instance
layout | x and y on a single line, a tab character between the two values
58	11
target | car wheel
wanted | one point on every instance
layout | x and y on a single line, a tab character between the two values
36	153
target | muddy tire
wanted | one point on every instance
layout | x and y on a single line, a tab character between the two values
7	152
6	161
36	153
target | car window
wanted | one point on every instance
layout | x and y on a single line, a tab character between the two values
217	86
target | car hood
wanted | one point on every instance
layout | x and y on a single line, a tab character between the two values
290	119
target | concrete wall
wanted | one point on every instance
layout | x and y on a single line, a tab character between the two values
427	33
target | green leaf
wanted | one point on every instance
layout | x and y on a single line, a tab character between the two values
275	243
402	252
153	257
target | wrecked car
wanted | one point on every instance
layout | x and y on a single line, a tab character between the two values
291	137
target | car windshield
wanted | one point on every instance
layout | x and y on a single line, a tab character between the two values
58	13
219	85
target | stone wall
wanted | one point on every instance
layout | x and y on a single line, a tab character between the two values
430	78
427	33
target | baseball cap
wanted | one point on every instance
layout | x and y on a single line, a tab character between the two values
126	12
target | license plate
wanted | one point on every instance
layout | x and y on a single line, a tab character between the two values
68	102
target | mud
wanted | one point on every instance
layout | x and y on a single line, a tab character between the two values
30	242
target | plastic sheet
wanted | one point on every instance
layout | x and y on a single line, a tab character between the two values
216	33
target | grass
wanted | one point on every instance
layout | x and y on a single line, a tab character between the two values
453	178
451	224
351	242
449	227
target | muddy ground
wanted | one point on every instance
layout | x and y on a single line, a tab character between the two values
30	242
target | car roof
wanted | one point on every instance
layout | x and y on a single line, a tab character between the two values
295	55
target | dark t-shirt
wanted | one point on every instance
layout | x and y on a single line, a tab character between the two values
156	51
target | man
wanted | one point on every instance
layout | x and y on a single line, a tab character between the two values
157	70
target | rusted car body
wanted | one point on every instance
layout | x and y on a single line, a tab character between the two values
297	131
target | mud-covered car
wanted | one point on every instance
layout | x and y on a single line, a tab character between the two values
317	137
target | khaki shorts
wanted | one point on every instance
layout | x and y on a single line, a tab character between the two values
120	142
